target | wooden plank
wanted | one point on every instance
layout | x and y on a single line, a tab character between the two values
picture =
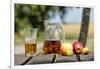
27	60
19	59
47	59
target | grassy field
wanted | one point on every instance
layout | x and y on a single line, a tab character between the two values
73	30
71	33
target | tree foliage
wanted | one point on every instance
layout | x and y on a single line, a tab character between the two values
29	15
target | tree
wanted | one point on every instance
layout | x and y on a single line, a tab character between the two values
34	15
84	28
84	25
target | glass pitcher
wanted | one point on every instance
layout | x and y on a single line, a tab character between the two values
54	35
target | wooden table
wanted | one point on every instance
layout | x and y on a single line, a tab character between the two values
40	58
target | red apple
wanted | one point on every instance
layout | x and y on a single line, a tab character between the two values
77	47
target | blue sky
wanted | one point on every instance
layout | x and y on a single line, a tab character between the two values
74	15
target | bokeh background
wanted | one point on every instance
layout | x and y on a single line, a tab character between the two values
29	15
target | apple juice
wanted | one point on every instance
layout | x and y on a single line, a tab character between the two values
30	48
51	46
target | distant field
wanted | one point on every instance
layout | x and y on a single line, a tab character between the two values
73	30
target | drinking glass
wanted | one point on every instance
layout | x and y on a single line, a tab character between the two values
30	41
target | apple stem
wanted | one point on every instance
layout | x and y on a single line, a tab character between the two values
78	57
54	58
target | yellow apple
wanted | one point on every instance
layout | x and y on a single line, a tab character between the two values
85	51
69	52
66	49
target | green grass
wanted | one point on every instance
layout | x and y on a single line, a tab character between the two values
18	39
41	37
90	44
